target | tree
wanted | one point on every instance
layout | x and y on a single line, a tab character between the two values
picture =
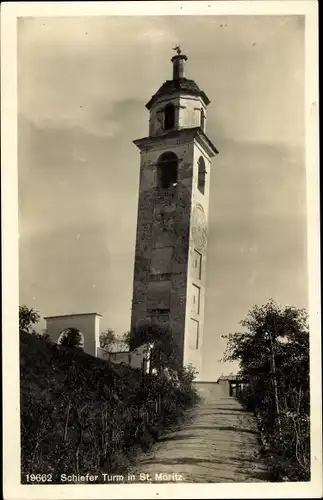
165	351
107	339
71	337
274	338
126	339
273	353
27	318
43	335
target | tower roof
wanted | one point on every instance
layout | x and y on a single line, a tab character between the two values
179	83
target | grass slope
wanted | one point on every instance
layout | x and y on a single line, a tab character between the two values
80	414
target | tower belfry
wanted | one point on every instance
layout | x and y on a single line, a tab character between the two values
172	223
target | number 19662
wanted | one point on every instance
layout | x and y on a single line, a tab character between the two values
39	478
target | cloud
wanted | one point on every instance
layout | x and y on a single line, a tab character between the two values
71	68
68	68
83	84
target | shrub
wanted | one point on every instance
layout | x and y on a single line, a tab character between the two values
27	318
273	353
71	337
80	413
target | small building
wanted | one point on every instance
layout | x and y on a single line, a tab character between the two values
88	325
233	384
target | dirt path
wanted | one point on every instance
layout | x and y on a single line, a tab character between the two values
218	444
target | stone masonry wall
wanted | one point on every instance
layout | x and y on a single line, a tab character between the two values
163	221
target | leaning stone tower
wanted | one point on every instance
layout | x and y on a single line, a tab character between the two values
172	223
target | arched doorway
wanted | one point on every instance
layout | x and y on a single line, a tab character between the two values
71	337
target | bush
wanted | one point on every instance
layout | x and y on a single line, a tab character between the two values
71	337
273	354
28	317
80	413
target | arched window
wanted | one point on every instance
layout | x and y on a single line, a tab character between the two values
167	170
201	175
169	117
202	119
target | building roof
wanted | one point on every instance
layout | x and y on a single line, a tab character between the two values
178	85
118	347
230	377
72	315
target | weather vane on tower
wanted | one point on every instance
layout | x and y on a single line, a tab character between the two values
178	49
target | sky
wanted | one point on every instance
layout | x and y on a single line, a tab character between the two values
82	88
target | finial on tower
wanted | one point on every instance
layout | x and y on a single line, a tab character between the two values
178	63
178	49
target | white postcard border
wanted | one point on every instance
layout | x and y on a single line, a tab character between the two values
11	457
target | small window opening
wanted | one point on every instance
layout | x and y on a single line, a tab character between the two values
201	175
159	315
194	333
167	170
197	264
202	119
169	122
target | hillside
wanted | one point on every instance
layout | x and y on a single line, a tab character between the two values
80	414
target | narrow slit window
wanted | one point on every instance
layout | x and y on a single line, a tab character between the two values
194	341
202	119
197	265
169	122
201	175
195	299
